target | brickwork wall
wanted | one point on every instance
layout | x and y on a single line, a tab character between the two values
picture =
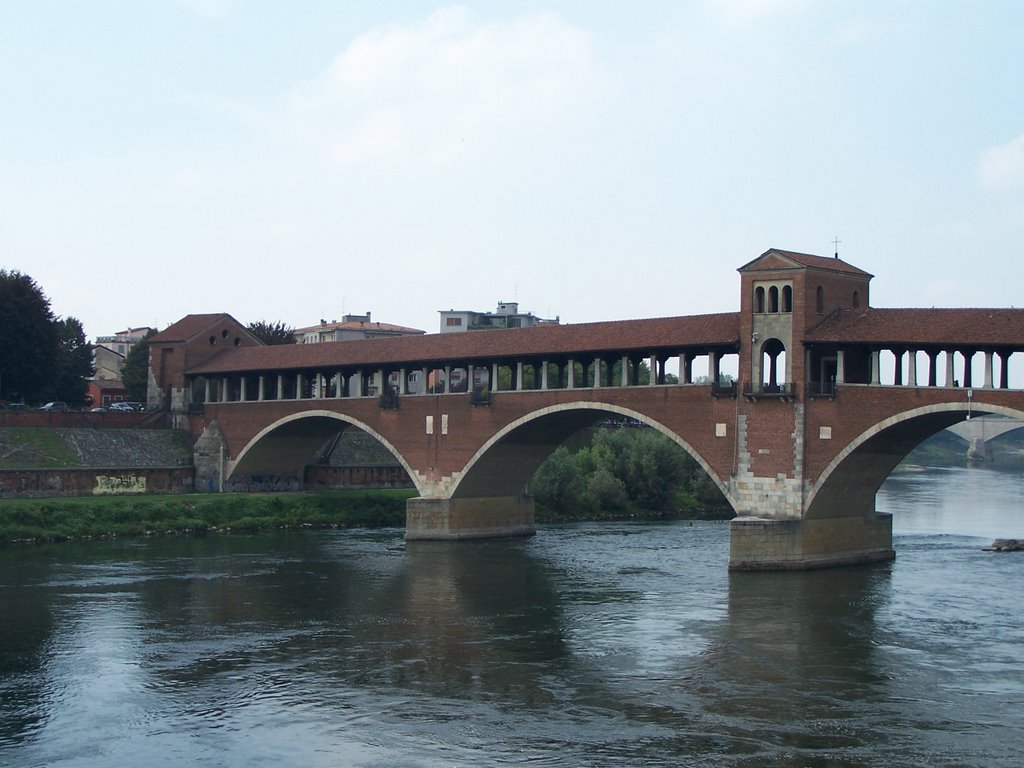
460	429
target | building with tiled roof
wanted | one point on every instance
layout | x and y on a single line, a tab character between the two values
352	328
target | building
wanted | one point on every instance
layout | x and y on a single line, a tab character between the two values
122	342
107	363
104	392
350	328
507	315
109	352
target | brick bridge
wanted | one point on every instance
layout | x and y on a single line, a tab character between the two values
830	395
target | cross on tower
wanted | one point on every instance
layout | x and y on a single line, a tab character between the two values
835	242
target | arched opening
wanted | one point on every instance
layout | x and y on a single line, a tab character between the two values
819	300
759	300
317	449
506	464
856	300
787	298
773	299
773	366
848	485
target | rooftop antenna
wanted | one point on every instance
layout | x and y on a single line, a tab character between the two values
835	242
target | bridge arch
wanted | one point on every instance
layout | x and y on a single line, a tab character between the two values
851	480
505	463
286	445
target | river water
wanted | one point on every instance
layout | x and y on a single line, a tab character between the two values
613	644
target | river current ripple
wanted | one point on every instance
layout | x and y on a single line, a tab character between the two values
612	644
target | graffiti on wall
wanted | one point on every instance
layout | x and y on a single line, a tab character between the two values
115	484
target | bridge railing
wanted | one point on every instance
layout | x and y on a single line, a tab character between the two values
821	388
753	391
723	389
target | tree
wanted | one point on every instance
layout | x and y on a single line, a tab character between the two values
73	364
135	373
272	333
28	342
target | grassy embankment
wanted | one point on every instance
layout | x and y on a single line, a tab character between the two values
57	519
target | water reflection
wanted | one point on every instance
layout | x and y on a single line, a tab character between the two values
591	644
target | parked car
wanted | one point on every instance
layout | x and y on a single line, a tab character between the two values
56	405
98	409
121	405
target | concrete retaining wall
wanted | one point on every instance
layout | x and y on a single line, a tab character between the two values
93	481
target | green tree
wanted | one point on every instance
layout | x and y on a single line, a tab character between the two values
74	365
272	333
558	483
28	343
135	373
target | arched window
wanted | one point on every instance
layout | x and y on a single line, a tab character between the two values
820	300
759	299
773	299
856	299
787	298
773	366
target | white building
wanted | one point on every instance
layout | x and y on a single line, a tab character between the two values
350	328
506	316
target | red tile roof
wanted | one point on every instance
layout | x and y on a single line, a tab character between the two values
975	328
668	334
808	260
189	326
373	326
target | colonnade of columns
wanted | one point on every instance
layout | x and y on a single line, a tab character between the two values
915	377
565	373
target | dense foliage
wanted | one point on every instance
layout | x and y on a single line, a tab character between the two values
41	357
272	333
626	470
74	366
135	373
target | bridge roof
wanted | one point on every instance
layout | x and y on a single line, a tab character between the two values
925	327
667	334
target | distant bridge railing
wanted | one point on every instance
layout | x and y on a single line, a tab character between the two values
753	391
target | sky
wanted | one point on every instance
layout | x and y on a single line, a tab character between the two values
291	162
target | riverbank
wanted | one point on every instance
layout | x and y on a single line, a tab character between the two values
61	519
25	521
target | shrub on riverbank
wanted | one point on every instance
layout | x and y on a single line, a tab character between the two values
71	518
625	473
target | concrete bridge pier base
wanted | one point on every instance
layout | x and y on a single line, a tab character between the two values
760	544
469	518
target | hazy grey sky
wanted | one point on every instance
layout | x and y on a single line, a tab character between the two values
295	161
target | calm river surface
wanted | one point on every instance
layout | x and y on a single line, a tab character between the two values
609	644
